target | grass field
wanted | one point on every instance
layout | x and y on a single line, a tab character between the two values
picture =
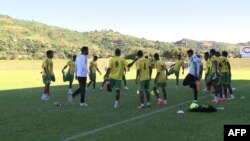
25	118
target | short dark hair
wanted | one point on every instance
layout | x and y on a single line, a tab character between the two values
217	53
156	55
139	53
206	54
224	53
212	51
49	52
95	57
117	51
84	48
190	51
74	57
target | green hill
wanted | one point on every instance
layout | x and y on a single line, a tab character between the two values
21	39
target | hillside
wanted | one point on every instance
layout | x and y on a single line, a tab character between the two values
21	39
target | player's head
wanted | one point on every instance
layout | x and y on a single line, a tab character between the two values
179	56
156	56
206	56
95	58
224	53
85	50
190	52
139	54
212	52
146	56
74	58
117	52
217	54
50	54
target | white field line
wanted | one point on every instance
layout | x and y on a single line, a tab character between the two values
93	131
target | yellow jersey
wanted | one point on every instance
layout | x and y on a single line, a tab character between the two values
117	65
93	66
161	68
48	64
178	64
143	65
212	65
208	66
71	65
223	64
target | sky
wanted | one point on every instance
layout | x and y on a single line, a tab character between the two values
163	20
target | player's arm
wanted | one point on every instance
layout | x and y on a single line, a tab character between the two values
150	71
183	68
138	71
125	70
156	78
98	70
64	68
107	73
132	63
172	65
90	68
229	68
216	67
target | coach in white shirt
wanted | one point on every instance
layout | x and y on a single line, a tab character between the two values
194	72
81	69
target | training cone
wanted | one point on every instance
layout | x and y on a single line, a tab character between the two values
180	112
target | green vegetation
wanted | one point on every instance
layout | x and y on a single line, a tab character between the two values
21	39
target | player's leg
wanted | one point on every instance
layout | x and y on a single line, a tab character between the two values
147	92
117	85
141	97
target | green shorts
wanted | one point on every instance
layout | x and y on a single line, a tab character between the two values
225	79
68	77
92	77
47	80
144	85
162	85
115	84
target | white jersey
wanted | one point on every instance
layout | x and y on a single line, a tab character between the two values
81	66
194	64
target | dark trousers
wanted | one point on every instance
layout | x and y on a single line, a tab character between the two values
82	85
191	81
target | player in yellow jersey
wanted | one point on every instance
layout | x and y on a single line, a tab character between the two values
213	77
70	73
224	79
176	68
143	77
93	67
160	79
48	74
219	85
114	72
207	70
228	80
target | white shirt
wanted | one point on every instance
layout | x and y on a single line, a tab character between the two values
81	66
194	62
